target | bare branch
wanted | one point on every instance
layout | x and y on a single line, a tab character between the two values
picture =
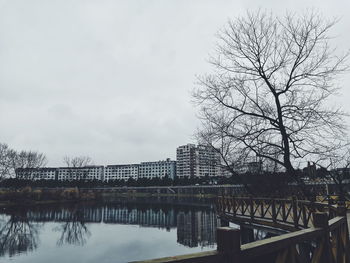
270	91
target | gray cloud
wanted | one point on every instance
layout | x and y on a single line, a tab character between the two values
112	79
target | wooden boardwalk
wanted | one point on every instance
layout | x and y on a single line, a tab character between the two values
287	214
318	233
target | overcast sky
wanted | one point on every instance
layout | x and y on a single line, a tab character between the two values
112	79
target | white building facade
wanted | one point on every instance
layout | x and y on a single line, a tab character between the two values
148	170
185	161
80	173
37	173
197	161
159	169
121	172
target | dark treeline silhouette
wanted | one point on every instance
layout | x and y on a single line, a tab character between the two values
19	183
143	182
262	183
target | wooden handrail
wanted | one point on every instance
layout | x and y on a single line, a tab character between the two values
290	212
275	244
329	232
202	257
336	222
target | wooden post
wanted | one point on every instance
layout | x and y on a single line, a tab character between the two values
295	212
251	203
343	252
320	220
330	200
223	204
303	210
331	212
323	253
228	243
224	222
242	206
341	210
273	207
230	204
283	204
234	207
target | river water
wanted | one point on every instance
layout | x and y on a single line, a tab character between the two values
119	230
105	232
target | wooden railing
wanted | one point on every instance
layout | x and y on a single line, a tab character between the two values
319	233
287	214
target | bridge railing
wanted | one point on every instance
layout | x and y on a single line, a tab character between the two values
325	242
323	238
288	214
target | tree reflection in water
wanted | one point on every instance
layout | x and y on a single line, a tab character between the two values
19	226
74	231
18	234
19	229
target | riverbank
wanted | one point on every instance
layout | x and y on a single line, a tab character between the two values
67	194
130	199
28	195
38	195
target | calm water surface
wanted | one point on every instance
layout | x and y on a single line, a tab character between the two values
108	232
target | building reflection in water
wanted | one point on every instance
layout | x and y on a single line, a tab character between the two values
196	228
19	227
140	215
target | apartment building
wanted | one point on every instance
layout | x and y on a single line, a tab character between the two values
159	169
185	160
37	173
208	161
121	172
253	167
80	173
61	173
197	161
149	170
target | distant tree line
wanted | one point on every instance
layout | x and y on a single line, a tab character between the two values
253	180
262	183
82	183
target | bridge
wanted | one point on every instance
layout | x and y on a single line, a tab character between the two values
317	232
216	190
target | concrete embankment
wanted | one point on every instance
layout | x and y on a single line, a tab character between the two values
198	191
30	195
38	195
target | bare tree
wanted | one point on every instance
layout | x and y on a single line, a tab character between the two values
267	97
337	170
77	162
24	161
29	159
27	162
5	161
